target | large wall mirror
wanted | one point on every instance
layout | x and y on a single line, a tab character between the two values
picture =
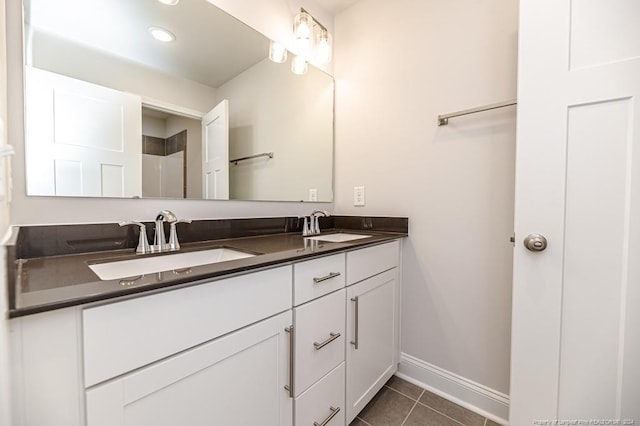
110	111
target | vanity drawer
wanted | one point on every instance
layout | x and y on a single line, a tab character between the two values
317	277
319	338
123	336
367	262
323	399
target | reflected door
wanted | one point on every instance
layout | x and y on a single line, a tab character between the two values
215	153
576	322
69	151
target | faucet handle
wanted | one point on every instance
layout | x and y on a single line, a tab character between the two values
174	244
143	243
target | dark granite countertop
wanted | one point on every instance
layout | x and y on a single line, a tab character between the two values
44	283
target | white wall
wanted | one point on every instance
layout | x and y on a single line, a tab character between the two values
154	126
398	65
273	110
271	18
177	124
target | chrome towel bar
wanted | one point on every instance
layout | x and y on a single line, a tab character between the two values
264	154
443	120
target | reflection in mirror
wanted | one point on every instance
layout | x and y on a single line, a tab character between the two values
111	112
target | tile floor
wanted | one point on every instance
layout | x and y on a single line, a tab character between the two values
400	403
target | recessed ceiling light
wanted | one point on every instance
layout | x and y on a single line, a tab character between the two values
161	34
169	2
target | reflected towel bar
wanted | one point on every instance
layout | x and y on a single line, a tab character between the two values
443	120
264	154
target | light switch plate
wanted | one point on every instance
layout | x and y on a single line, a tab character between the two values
313	194
358	196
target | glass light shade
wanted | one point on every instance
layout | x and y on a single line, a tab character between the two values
323	47
169	2
299	65
277	53
303	31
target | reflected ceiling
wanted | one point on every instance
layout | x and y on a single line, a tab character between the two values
121	28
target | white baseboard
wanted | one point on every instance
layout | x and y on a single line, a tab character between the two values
485	401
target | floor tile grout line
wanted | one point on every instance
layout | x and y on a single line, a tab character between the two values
441	413
363	421
409	413
415	404
404	394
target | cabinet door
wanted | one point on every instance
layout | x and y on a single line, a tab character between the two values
238	379
372	336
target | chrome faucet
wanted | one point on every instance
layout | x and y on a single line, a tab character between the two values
160	241
314	223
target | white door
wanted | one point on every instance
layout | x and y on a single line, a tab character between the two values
215	153
576	316
81	139
371	323
236	380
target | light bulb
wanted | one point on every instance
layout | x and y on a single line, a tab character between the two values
323	48
277	52
299	65
303	31
303	25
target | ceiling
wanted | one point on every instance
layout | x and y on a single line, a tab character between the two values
210	47
334	7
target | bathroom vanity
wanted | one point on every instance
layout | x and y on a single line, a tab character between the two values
305	336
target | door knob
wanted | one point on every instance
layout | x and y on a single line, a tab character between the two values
535	242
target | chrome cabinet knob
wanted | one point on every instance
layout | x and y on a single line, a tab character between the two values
535	242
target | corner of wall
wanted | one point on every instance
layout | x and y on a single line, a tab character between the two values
473	396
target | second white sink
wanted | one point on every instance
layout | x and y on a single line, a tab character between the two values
340	237
168	262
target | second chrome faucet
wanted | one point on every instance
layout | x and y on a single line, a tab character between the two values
160	243
313	226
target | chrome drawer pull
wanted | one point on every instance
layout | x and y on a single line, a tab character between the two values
332	337
334	411
354	342
292	349
326	277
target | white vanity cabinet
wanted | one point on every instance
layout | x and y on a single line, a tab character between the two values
373	348
272	347
319	341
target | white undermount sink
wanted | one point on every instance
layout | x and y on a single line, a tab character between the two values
168	262
340	237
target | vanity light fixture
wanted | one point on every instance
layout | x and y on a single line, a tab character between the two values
311	37
299	65
161	34
277	52
169	2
